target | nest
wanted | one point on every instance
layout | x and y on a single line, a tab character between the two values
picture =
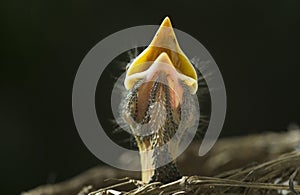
278	176
276	171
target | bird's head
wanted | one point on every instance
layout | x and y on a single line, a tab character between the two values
158	80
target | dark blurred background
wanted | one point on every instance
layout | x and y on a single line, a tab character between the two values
255	44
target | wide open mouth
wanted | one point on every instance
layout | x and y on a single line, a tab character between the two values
159	81
163	42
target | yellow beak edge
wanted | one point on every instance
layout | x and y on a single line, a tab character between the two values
163	42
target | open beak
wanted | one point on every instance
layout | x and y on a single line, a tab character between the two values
163	42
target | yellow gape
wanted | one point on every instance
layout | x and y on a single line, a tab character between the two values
164	41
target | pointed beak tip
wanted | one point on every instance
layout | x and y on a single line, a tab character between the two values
166	22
